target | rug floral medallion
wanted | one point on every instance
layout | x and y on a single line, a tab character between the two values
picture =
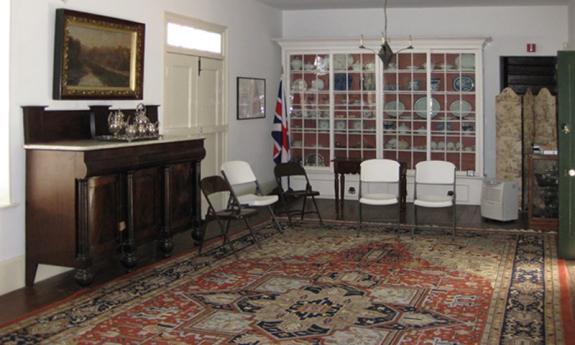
324	285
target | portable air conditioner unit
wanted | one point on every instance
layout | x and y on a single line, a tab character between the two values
500	200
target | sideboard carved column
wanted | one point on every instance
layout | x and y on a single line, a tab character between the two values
129	258
166	243
83	274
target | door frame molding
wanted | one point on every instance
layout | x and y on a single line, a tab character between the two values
170	17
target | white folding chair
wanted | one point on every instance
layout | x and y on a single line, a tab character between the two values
239	173
434	173
378	171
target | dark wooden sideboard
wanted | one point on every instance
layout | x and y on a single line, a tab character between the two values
86	200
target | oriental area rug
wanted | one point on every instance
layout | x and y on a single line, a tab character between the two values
322	284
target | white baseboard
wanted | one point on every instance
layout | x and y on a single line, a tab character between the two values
12	273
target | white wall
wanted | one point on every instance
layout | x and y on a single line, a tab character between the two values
510	28
571	24
251	52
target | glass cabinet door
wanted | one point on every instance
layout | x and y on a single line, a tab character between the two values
429	100
309	112
452	84
423	106
405	109
354	106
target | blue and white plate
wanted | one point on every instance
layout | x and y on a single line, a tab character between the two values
464	83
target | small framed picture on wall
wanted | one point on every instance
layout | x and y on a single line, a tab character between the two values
251	98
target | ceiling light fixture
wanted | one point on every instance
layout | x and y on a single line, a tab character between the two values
385	52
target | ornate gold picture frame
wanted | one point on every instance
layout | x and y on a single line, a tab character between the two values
97	57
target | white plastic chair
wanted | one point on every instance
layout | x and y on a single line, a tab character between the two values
380	171
240	173
434	173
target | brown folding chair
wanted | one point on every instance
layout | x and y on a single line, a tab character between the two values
289	170
216	184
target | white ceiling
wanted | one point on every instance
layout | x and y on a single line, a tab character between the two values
329	4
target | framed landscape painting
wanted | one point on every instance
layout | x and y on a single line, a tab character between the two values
97	57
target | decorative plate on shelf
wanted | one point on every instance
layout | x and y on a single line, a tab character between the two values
460	108
299	85
340	125
314	159
420	107
309	114
322	63
464	83
394	108
339	62
317	84
444	67
296	64
465	61
323	124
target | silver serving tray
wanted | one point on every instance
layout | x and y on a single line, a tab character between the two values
126	138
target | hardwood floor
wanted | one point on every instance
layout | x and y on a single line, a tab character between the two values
20	302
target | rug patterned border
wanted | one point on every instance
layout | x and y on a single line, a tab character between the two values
55	323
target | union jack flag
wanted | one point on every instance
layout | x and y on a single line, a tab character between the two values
280	130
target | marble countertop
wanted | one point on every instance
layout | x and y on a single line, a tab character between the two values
92	144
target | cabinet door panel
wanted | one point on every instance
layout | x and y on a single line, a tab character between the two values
182	194
147	203
105	212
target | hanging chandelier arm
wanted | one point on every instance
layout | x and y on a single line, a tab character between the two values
366	48
406	48
362	45
385	17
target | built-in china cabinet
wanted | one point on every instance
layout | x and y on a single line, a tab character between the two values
427	104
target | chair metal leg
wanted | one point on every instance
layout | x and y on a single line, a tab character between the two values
275	219
414	220
252	233
226	239
223	229
285	207
202	236
398	218
317	209
360	219
303	207
454	218
225	232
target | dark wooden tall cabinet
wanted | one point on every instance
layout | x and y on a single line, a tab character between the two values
566	135
87	199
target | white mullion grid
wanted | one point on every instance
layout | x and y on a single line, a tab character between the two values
429	105
331	110
379	93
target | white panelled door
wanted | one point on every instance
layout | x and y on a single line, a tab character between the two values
194	104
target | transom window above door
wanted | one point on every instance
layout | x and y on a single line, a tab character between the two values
194	36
